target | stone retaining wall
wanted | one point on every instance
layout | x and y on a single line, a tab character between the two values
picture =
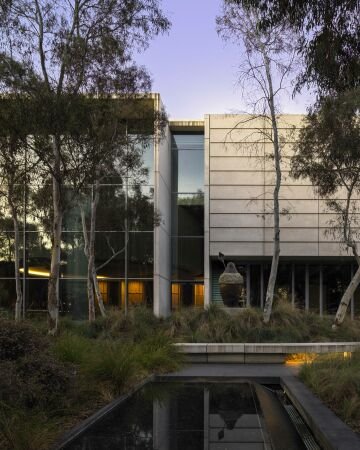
258	353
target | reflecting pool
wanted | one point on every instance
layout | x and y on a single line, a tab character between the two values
197	416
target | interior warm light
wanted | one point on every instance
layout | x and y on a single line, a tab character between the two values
39	272
300	358
46	273
347	355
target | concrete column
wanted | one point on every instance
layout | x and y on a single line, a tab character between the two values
162	233
161	424
206	418
207	263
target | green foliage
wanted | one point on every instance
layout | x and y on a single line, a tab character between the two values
111	363
336	380
25	431
72	348
19	339
286	325
329	38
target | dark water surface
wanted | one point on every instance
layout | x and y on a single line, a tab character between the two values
195	416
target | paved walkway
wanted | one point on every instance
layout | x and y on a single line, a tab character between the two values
236	370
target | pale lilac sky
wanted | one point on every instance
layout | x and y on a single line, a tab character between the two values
193	69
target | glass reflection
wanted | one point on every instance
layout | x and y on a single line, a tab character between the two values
193	416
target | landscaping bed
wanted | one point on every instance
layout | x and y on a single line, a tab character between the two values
335	379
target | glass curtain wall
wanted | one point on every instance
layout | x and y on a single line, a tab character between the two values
128	195
187	220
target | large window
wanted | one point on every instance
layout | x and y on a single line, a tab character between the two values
128	193
187	219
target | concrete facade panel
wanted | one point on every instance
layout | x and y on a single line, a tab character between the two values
237	248
294	206
294	249
294	234
236	178
236	234
236	220
238	206
333	249
239	136
233	149
236	192
237	163
294	193
294	220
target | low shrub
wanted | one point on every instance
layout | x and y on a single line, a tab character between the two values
336	380
112	363
19	339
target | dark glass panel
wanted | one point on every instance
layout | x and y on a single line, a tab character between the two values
187	258
141	215
110	254
187	294
141	255
111	209
7	253
283	282
314	288
255	288
188	215
73	298
39	254
74	201
7	295
36	294
140	292
300	286
336	278
188	171
73	259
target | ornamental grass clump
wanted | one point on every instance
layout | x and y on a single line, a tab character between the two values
335	378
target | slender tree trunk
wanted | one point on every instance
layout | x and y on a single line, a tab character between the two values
92	270
90	289
53	295
19	297
346	299
92	281
354	283
276	249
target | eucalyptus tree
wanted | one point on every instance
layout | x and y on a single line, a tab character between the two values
15	168
74	47
329	32
265	73
328	153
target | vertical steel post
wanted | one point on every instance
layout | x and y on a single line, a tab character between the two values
307	287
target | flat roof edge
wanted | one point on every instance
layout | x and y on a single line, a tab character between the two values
186	125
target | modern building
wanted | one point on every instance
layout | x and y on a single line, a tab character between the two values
211	180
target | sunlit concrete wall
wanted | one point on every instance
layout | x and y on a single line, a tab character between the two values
240	178
162	233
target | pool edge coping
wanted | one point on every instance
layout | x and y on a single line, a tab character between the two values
80	428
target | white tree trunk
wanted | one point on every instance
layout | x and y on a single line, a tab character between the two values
92	281
276	249
346	299
19	297
350	290
53	295
92	270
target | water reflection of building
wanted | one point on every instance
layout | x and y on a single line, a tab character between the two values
211	180
209	418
